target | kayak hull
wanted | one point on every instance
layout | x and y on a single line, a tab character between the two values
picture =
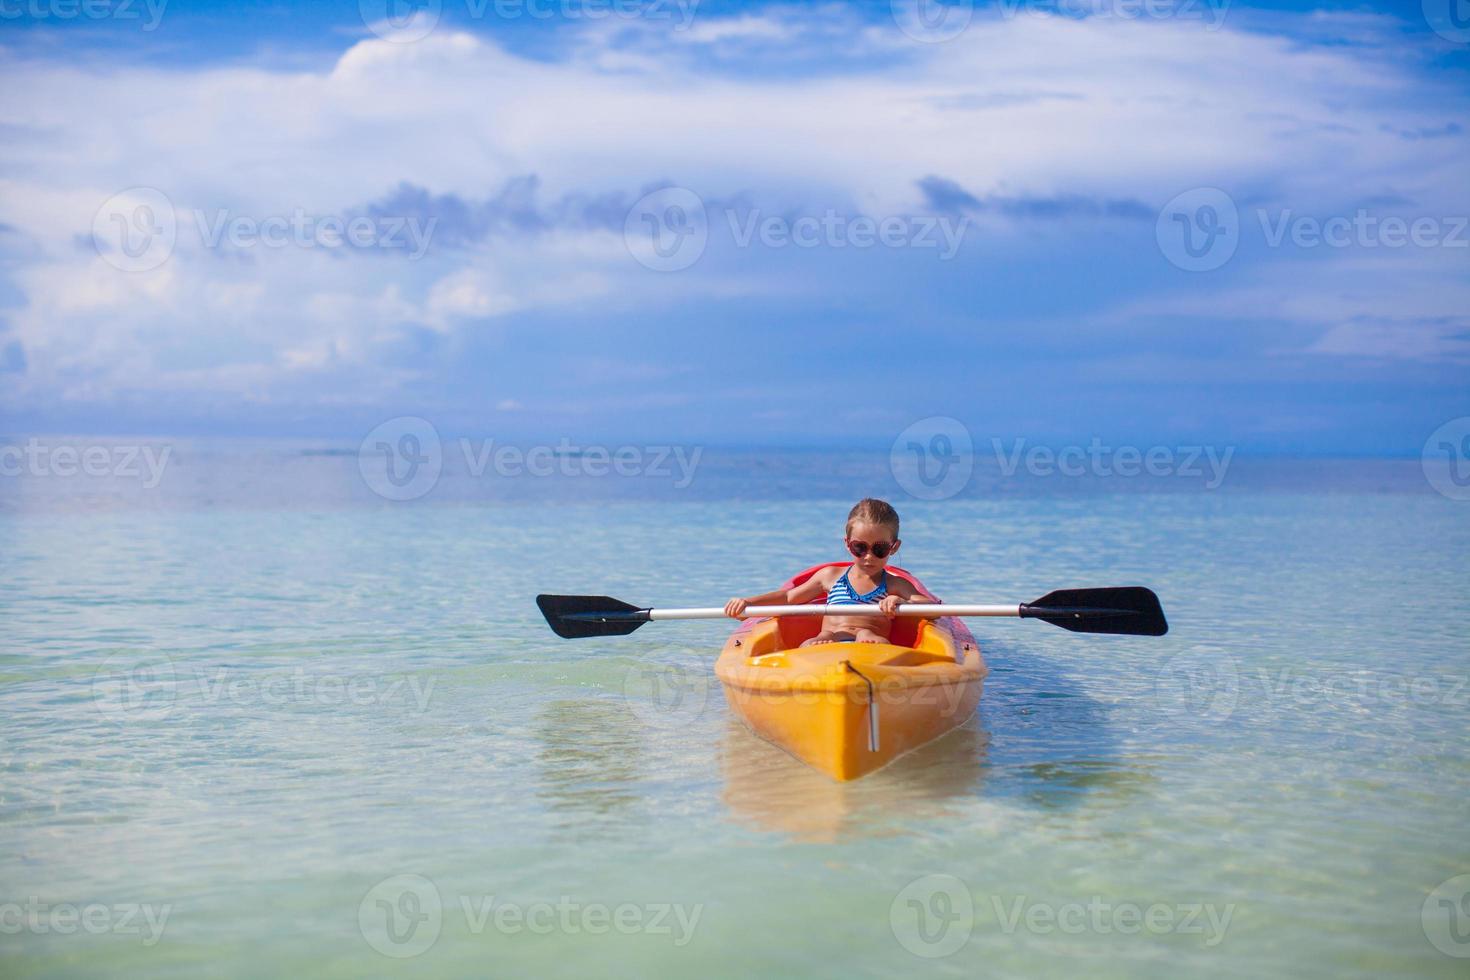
847	709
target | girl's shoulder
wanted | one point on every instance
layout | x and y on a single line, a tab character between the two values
902	587
827	577
831	574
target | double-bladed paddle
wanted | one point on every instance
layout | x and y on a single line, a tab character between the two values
1131	610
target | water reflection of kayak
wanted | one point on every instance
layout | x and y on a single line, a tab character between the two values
768	790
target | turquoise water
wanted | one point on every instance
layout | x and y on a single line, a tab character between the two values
237	710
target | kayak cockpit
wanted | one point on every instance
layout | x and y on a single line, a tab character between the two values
793	631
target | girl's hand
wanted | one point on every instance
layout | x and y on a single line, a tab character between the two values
735	608
888	605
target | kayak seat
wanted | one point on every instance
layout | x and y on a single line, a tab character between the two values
767	646
796	630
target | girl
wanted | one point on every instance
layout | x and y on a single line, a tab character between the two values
872	539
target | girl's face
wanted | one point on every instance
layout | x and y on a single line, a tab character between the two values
869	539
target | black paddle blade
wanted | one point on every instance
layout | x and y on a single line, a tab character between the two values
1133	610
572	617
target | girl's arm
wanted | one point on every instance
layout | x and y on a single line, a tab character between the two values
736	607
900	591
815	586
806	591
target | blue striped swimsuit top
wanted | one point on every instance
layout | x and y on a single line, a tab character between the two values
841	593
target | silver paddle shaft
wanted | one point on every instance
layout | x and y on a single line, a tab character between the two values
865	609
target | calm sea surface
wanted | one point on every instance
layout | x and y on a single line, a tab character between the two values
256	719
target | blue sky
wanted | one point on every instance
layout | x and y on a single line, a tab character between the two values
1037	166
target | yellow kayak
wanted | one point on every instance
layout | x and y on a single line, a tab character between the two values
847	709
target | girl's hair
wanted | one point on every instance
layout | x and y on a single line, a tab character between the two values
871	510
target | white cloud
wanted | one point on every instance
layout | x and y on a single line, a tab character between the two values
465	295
748	26
1149	109
1445	340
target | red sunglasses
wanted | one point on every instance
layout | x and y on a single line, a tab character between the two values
882	549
